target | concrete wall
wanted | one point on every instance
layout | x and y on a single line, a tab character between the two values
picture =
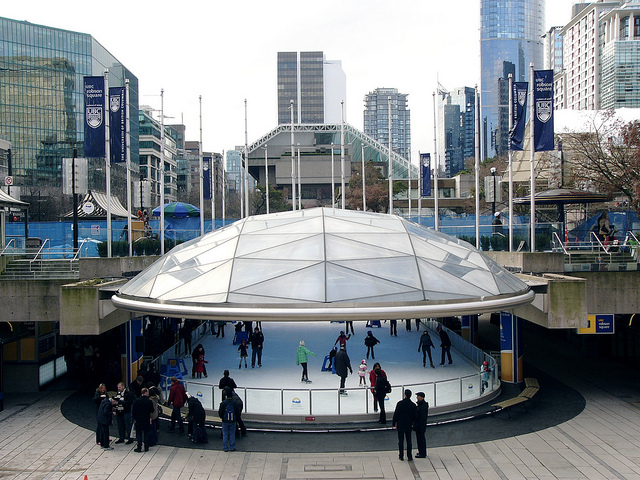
526	262
30	300
612	292
113	267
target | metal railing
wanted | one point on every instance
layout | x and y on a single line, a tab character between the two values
4	250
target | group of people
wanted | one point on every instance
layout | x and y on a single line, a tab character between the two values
135	406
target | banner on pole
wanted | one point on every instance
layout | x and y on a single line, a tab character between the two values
206	177
543	110
425	169
94	131
519	114
118	124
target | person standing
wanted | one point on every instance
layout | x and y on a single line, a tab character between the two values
123	413
445	344
420	425
196	416
227	381
404	417
407	324
382	388
177	396
220	332
257	343
370	341
374	373
227	413
141	413
349	325
242	348
104	418
135	387
302	358
239	404
332	358
393	328
343	363
426	344
195	358
485	376
362	373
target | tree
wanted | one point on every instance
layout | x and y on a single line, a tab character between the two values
607	158
258	201
377	189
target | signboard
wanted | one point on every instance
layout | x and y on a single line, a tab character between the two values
601	323
88	208
8	181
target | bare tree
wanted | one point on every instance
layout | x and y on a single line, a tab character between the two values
606	159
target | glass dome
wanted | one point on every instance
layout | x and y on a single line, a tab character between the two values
322	264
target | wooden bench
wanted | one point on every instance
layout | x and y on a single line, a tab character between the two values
531	388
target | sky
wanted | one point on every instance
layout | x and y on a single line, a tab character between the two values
226	52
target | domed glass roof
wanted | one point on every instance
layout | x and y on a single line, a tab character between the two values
322	264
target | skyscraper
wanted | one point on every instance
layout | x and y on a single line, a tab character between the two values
376	119
456	128
316	86
42	102
510	31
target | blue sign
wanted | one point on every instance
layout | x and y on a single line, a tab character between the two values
94	131
519	114
543	110
118	124
425	169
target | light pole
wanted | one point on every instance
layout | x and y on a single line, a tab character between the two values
493	204
266	175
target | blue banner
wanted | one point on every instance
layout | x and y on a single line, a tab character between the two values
519	114
543	110
94	132
118	124
206	177
425	169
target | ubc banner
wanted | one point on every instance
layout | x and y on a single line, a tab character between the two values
206	177
118	124
543	110
519	114
425	169
94	134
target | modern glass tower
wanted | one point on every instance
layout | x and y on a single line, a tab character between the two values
456	128
42	103
510	31
376	119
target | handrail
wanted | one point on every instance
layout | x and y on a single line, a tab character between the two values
6	246
602	246
561	243
46	240
75	256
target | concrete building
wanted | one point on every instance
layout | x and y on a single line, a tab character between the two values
376	119
509	31
554	49
41	112
456	128
151	163
316	86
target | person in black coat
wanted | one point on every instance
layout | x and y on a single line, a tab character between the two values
370	341
257	342
195	355
104	418
227	381
420	425
343	363
404	417
196	415
445	344
141	414
426	344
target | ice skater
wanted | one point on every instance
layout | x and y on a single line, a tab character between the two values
301	359
362	373
426	344
243	353
342	339
370	341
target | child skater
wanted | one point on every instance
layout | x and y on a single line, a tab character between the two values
198	368
362	372
243	353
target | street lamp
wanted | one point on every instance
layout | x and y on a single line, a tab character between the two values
266	175
493	204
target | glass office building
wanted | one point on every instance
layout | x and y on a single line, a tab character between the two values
456	128
509	31
376	119
42	103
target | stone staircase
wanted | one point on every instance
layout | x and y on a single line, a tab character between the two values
599	261
41	269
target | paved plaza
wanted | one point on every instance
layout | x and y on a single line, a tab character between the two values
602	440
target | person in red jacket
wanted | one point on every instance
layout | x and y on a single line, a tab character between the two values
177	396
374	373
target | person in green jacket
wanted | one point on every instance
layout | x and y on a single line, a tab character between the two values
301	359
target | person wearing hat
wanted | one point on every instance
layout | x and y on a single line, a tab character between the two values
301	359
342	339
420	425
497	224
404	417
370	341
485	375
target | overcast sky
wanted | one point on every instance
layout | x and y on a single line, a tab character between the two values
226	51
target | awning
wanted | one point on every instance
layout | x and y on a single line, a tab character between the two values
94	207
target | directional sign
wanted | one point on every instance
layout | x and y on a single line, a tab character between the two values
601	323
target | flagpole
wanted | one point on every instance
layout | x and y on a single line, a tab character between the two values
419	186
333	183
532	160
128	137
390	161
364	195
409	182
162	171
246	160
299	182
293	156
201	173
224	191
107	157
510	163
266	174
213	191
477	168
342	192
435	170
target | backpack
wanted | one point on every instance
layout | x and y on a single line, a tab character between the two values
229	413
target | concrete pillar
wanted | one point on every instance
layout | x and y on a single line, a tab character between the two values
511	348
